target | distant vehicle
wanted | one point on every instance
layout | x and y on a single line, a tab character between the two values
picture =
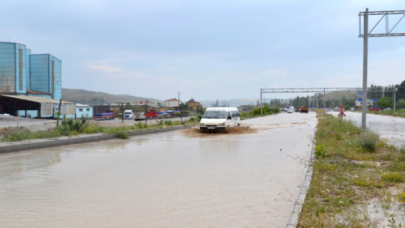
152	114
220	118
290	110
140	116
304	109
336	109
107	115
352	109
386	109
162	114
128	114
297	109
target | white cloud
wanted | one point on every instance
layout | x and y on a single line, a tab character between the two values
107	68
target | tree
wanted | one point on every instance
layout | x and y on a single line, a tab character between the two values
401	103
385	102
184	106
401	91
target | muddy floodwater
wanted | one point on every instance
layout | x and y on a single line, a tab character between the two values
170	179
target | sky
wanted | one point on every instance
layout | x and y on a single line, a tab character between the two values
206	49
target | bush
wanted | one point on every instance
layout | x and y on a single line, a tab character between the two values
122	135
394	177
320	151
368	141
168	122
139	125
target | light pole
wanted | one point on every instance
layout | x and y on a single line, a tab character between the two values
181	114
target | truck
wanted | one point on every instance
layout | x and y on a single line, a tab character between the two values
128	114
304	109
107	115
152	114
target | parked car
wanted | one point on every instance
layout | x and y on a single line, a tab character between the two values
386	109
140	116
290	110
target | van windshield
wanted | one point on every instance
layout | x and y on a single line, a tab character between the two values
215	114
128	113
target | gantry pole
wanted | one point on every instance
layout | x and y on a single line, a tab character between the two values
365	58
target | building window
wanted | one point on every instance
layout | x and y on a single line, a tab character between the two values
20	70
87	109
80	110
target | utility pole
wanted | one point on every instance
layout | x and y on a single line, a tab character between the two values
181	114
261	107
395	89
122	108
59	114
324	101
146	112
365	58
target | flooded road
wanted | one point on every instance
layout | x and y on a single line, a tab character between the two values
163	180
389	127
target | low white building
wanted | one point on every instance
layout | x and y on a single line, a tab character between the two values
171	103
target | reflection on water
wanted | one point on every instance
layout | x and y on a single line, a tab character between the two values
162	180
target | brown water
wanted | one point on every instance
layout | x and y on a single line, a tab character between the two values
163	180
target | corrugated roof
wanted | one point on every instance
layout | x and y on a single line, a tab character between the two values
35	99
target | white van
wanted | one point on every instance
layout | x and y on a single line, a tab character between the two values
128	114
220	118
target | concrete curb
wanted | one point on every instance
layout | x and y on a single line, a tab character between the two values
64	140
299	202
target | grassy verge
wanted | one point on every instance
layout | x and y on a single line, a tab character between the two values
256	112
352	168
398	113
71	127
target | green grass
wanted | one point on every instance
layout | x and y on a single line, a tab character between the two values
256	112
77	127
346	175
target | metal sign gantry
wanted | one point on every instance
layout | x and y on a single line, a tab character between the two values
366	33
360	91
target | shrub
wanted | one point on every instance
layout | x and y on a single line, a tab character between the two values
122	135
368	141
192	119
320	151
139	125
168	122
394	177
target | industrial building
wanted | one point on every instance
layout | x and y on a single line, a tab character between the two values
24	75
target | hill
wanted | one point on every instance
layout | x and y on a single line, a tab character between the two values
81	94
